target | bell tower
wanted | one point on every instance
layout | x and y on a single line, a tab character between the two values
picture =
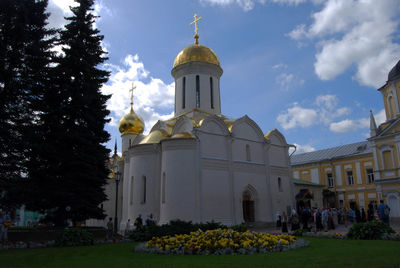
197	72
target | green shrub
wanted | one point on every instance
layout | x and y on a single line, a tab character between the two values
177	227
239	228
369	230
75	237
299	232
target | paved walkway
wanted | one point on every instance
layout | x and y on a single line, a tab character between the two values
338	229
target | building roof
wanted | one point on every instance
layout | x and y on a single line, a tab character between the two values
395	72
297	181
354	149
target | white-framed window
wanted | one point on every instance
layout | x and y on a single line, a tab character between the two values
349	176
329	180
370	175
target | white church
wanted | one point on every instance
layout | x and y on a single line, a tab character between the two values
200	165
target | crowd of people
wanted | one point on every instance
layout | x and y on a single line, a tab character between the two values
324	219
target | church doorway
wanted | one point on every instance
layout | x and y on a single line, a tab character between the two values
248	207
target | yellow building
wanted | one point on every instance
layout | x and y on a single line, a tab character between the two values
355	175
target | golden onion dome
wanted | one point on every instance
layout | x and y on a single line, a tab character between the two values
131	123
196	52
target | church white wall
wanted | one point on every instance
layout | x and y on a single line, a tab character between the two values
282	197
182	189
213	146
217	196
239	150
145	162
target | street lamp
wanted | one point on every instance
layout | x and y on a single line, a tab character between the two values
117	179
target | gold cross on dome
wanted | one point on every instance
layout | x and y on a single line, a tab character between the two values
196	19
131	91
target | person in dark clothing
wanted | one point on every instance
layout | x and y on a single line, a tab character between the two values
284	222
358	215
319	221
363	216
138	222
370	212
305	215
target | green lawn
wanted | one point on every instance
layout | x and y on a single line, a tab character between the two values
322	253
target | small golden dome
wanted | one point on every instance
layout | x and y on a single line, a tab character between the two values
196	52
131	123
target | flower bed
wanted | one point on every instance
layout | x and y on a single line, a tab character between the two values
324	235
220	241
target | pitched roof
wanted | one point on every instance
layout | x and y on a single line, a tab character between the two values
358	148
298	181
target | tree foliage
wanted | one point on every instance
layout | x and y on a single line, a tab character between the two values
71	155
25	55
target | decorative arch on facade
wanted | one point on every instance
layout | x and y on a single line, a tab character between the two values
387	156
250	191
393	201
249	203
391	105
248	123
183	125
213	120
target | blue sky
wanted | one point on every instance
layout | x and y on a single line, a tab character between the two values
309	68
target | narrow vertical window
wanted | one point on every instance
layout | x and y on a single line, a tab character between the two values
212	93
329	179
350	179
197	91
183	92
163	188
131	194
248	158
144	189
370	175
279	184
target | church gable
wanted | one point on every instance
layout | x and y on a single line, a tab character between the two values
246	128
215	125
275	137
183	125
160	125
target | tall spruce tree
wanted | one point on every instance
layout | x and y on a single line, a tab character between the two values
72	175
25	55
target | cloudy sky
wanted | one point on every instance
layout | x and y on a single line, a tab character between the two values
310	68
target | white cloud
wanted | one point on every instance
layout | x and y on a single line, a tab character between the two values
380	117
297	116
287	81
279	66
343	126
153	99
324	110
289	2
352	32
302	149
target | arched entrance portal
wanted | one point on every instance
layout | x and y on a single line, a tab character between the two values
248	207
